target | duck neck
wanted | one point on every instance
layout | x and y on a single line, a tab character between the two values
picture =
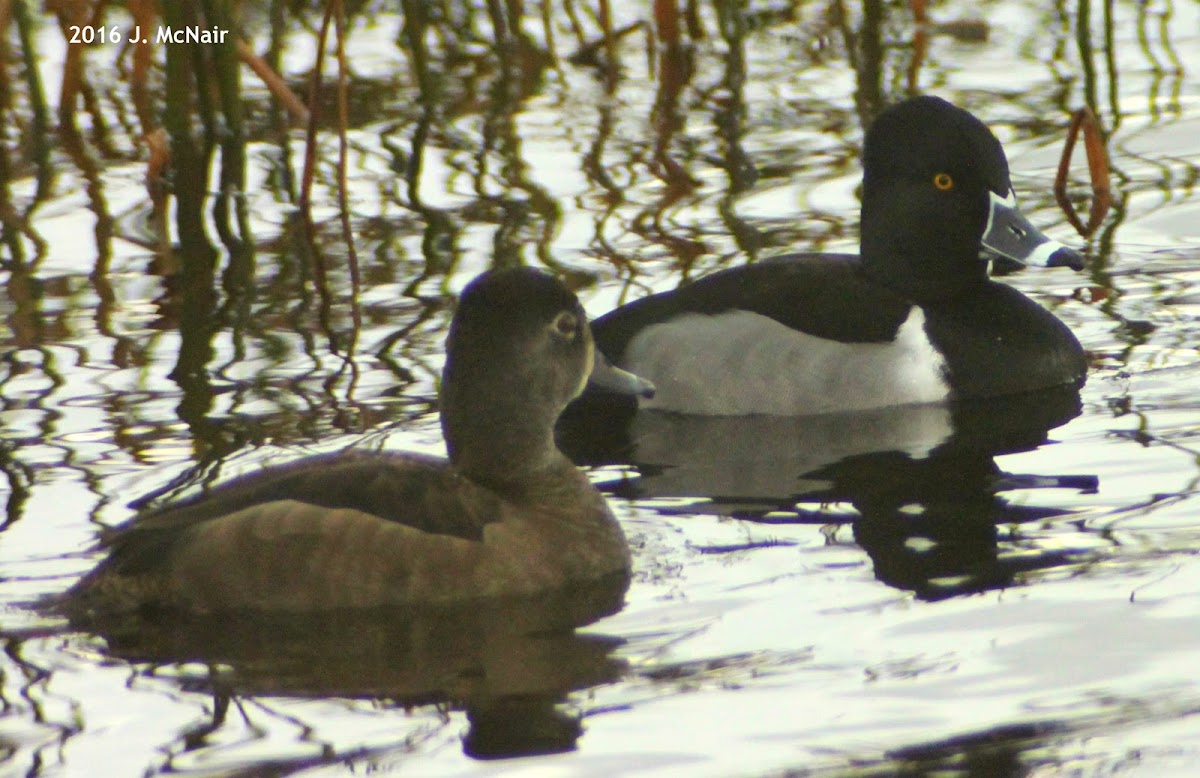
900	251
925	275
500	440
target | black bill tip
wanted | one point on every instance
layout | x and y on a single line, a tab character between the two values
1065	257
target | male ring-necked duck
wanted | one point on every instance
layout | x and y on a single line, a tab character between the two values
914	319
508	514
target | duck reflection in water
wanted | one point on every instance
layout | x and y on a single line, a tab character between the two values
926	492
509	663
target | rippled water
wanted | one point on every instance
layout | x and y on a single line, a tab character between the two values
1005	590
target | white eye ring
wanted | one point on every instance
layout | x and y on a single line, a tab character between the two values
566	324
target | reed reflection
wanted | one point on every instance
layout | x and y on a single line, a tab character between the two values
928	499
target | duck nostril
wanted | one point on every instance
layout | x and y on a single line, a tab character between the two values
1020	233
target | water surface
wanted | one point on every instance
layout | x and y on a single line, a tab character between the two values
1006	590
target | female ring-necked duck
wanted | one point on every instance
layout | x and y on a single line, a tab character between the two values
507	515
914	319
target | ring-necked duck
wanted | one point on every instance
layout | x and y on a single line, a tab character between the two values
507	515
914	319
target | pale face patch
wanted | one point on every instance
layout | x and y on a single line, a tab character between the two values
739	363
590	360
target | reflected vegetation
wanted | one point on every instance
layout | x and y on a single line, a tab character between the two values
213	254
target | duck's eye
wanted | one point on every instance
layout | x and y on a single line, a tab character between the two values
566	324
943	181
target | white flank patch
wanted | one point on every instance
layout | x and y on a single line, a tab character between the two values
739	363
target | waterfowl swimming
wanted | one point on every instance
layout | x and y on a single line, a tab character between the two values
508	514
913	319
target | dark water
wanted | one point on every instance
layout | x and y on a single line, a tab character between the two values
1007	589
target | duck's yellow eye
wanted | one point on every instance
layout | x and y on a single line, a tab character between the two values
943	181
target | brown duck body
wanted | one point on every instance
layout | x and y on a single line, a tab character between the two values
413	531
507	515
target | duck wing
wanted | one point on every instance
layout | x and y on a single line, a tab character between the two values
413	491
824	295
